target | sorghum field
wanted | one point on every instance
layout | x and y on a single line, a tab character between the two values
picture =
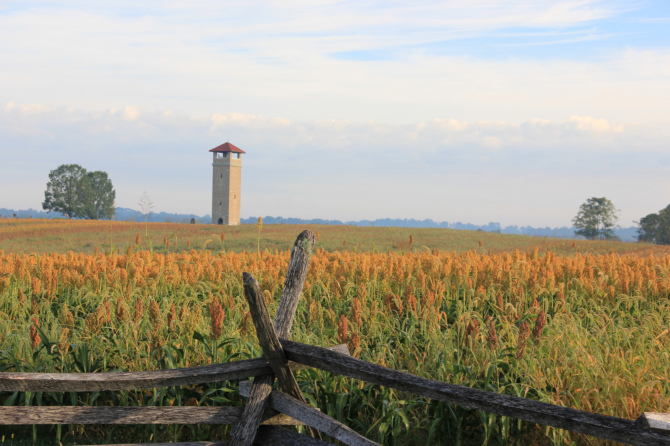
583	330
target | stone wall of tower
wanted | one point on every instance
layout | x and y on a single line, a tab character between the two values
235	191
226	189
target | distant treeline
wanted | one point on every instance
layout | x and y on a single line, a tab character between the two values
120	214
625	234
125	214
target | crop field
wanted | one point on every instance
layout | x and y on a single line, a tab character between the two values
576	323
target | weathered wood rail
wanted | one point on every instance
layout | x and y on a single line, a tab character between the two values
266	409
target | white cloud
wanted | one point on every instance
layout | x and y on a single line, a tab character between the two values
276	60
588	124
131	113
26	108
534	172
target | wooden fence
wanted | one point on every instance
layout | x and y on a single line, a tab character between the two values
259	421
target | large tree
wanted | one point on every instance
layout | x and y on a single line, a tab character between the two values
655	228
64	190
99	196
76	193
596	219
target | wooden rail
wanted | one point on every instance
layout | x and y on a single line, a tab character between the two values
259	420
12	415
97	382
287	405
601	426
654	421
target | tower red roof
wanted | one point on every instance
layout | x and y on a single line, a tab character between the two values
227	147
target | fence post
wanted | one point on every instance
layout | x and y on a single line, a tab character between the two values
245	432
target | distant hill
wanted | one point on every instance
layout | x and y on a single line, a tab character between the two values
121	214
125	214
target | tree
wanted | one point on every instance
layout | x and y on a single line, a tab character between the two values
655	228
596	219
647	228
99	196
64	190
79	194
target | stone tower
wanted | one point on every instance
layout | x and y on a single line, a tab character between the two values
226	184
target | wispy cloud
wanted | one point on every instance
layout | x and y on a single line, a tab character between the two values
654	20
309	28
277	60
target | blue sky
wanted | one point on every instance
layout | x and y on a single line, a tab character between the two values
477	111
629	24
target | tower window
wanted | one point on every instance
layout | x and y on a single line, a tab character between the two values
237	156
219	155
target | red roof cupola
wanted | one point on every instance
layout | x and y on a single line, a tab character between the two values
227	147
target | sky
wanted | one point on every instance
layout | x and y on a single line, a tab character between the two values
464	110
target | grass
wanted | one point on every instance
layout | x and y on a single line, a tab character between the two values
47	236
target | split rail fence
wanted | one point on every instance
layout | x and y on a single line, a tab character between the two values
259	421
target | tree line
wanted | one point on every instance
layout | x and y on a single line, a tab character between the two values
597	217
77	193
655	228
